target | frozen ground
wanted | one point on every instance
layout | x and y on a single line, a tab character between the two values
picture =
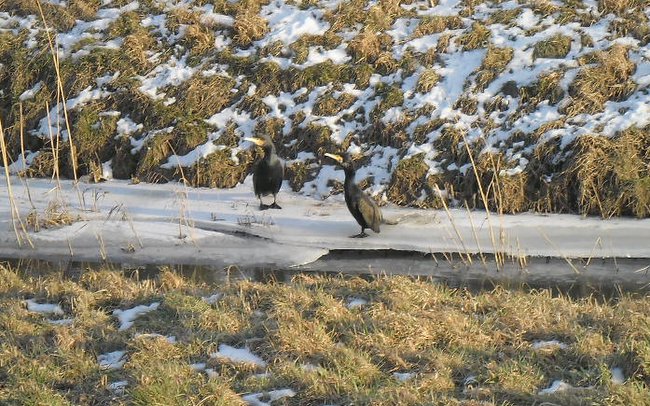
157	224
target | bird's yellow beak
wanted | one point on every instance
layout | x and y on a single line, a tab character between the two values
257	141
337	158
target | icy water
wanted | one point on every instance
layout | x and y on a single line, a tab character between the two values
576	277
599	277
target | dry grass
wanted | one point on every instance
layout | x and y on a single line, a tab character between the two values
378	17
437	24
427	80
219	170
299	173
609	80
328	105
203	96
547	88
477	37
369	45
300	48
409	186
506	193
493	64
199	39
55	215
613	174
249	27
635	23
460	347
621	6
505	17
557	46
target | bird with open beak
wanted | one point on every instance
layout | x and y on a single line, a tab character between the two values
269	172
362	207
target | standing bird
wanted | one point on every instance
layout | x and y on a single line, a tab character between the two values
268	175
362	207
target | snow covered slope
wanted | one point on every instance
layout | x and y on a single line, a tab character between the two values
543	103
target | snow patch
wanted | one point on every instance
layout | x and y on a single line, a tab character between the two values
29	94
255	399
118	387
618	378
288	22
61	322
200	366
43	308
112	360
353	303
243	355
403	376
173	73
213	299
561	386
538	345
127	317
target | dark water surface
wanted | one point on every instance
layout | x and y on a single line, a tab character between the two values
599	277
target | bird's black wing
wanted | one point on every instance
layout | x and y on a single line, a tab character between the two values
277	175
370	212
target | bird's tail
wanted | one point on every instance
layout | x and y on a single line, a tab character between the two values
390	222
414	218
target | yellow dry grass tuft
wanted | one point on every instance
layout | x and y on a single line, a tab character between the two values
427	80
249	27
621	6
557	46
368	46
203	96
220	170
328	105
55	215
613	174
411	185
547	88
493	64
609	80
477	37
506	192
199	39
437	24
506	17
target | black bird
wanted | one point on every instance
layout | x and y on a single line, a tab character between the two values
268	175
362	207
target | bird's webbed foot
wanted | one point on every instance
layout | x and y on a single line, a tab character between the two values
274	205
264	206
362	234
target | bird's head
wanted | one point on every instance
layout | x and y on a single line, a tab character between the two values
259	141
344	161
264	141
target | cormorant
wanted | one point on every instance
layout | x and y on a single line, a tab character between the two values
362	207
268	175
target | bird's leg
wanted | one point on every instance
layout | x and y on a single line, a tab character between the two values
362	234
262	205
274	205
